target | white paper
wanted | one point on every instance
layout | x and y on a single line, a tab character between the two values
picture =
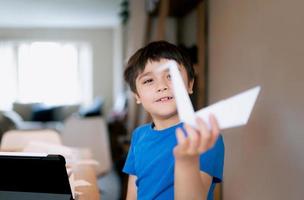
77	183
68	153
81	183
231	112
23	154
72	185
185	109
88	162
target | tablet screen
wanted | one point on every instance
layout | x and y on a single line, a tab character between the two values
33	175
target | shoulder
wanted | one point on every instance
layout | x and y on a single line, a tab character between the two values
140	130
143	127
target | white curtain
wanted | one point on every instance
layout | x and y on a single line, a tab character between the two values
53	73
8	78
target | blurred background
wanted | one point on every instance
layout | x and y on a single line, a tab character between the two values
61	59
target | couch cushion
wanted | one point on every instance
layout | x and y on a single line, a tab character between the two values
94	109
24	110
43	113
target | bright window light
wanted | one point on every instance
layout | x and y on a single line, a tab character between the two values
53	73
7	76
48	72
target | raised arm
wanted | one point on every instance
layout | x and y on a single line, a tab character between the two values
189	182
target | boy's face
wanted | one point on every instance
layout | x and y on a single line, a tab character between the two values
155	92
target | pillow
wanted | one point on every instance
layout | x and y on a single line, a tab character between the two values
43	113
24	110
94	109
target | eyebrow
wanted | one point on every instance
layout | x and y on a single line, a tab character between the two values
143	75
151	73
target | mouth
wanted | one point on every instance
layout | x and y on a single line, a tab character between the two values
164	99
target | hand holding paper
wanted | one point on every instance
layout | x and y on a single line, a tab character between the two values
231	112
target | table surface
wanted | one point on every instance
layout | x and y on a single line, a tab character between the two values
87	173
83	172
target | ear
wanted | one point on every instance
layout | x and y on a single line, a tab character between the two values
137	98
190	86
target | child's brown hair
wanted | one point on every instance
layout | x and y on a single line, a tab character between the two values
155	51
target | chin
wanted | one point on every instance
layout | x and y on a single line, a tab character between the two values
166	115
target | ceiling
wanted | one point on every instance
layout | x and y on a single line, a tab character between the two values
59	13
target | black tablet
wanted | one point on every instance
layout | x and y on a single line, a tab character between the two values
33	177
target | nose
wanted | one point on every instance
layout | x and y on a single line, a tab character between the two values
162	86
162	89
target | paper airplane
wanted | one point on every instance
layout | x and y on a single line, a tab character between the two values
231	112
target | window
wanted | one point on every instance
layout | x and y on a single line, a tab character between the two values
50	72
7	76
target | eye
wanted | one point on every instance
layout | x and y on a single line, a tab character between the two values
150	80
169	77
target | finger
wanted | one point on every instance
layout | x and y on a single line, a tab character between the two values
194	141
205	135
214	124
190	131
203	129
202	126
215	130
182	143
180	136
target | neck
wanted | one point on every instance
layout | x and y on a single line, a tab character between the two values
163	123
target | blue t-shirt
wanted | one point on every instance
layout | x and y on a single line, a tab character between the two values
151	160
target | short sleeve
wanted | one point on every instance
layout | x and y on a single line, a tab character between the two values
212	161
129	167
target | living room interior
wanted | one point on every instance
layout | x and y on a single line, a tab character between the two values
62	62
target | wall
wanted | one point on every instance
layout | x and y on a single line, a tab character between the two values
102	43
187	29
261	43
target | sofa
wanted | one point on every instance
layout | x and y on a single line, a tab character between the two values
35	116
40	116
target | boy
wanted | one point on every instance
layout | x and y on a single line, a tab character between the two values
168	159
